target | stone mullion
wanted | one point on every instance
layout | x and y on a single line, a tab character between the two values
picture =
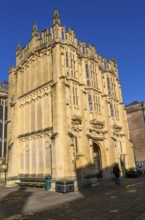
25	117
24	80
43	112
35	152
18	83
47	154
24	156
40	69
36	115
50	110
24	121
21	82
42	149
23	151
30	156
43	152
40	156
19	120
29	116
36	156
27	78
83	72
35	72
21	165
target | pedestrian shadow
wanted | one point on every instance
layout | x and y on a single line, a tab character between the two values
11	206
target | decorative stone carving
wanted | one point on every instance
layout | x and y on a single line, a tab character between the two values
96	130
35	95
116	131
97	124
94	134
38	135
27	148
117	128
47	145
76	123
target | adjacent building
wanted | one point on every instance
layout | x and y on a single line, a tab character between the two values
136	120
3	127
66	113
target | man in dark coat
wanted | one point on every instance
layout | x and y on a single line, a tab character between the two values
116	172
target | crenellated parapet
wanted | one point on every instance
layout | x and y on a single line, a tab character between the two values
108	66
58	34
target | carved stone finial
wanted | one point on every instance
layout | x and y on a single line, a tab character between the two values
35	31
56	18
18	47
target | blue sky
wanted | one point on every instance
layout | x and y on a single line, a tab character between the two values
115	27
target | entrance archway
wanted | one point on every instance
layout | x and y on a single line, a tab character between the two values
97	159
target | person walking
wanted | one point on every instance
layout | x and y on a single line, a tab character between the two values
116	172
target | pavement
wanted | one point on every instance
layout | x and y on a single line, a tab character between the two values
105	201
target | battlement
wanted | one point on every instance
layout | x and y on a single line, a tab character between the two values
58	34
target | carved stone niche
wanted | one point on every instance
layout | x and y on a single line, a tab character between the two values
97	124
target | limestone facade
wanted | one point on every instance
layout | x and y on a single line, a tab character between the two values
66	110
136	120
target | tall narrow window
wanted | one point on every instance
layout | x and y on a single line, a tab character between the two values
62	34
111	110
97	103
116	112
75	95
87	75
105	65
90	102
114	90
83	49
108	86
45	39
66	59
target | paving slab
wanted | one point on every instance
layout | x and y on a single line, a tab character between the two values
106	201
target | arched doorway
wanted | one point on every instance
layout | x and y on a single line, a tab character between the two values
97	160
